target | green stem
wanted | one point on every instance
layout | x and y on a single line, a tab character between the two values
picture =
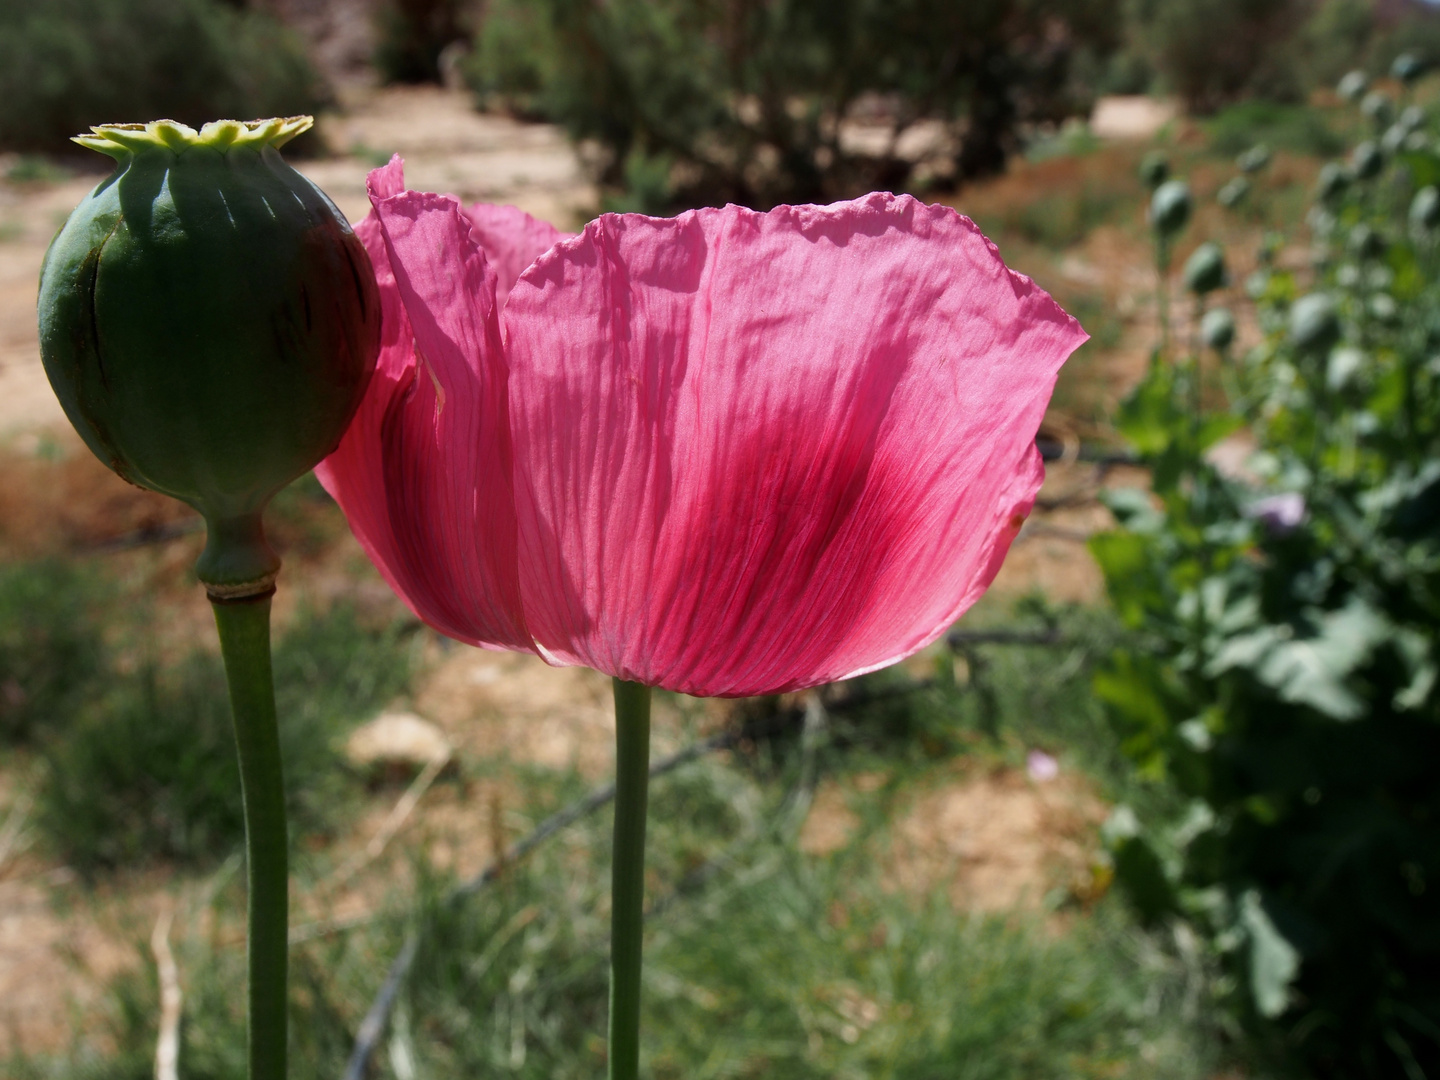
244	627
627	882
1162	290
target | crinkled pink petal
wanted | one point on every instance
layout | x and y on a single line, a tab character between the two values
424	471
758	452
511	240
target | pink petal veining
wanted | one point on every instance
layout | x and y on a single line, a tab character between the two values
756	452
423	474
727	453
511	240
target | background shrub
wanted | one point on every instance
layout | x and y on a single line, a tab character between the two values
1211	52
1214	53
753	114
68	64
413	33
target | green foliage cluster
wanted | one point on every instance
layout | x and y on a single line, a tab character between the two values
700	103
1287	624
68	64
139	757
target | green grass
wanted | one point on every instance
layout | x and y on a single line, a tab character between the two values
146	771
51	646
36	169
1060	220
760	961
775	965
1298	128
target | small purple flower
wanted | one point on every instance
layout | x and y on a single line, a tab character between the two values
1041	766
1280	514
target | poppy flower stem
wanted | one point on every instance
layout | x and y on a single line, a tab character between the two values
244	627
627	882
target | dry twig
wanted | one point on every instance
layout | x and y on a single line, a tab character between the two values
167	1047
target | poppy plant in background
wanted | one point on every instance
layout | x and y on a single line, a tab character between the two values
728	453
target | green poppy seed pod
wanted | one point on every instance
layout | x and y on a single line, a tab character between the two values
1254	159
1418	142
1333	181
1217	329
1365	242
1170	207
1383	308
1411	118
1342	365
1425	208
1233	192
1154	170
1393	141
1377	107
1205	269
209	323
1366	161
1354	84
1323	224
1314	323
1407	67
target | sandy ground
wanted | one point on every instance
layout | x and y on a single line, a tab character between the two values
993	841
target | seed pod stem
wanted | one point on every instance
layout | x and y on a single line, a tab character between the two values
237	561
244	627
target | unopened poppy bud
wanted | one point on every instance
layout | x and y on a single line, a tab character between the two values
1377	107
1341	367
1217	329
1154	170
1254	159
1233	192
1170	207
1353	85
209	323
1425	208
1314	323
1365	242
1366	161
1407	67
1383	308
1205	269
1411	117
1332	182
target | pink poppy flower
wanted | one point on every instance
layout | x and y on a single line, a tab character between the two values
727	453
